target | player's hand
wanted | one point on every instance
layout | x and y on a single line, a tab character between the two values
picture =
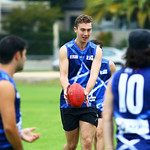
66	95
28	136
86	97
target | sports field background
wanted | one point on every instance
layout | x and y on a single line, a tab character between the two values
40	109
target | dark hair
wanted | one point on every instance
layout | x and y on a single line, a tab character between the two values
137	58
83	19
97	42
9	46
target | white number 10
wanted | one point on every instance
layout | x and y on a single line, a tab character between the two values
131	93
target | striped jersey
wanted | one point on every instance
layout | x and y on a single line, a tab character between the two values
3	140
100	86
131	104
79	67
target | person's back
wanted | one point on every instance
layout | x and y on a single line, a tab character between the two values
128	98
132	116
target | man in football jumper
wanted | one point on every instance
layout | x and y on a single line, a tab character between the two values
79	62
12	58
106	70
127	97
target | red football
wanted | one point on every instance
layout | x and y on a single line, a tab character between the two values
76	95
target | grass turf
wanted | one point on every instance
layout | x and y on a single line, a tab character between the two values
40	108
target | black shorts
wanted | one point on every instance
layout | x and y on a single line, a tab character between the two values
8	148
71	116
99	114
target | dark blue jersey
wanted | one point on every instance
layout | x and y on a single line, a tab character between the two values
104	73
101	83
131	91
79	67
3	140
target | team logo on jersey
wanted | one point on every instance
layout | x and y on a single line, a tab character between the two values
103	71
17	95
89	57
73	56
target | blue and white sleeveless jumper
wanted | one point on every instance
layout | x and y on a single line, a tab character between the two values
104	76
3	140
131	103
79	67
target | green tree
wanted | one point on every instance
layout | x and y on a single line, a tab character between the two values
98	8
35	24
34	18
138	10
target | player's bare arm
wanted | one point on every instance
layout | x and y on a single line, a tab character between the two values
7	100
112	67
108	118
94	71
63	65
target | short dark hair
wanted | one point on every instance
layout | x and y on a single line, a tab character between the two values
97	42
9	45
83	19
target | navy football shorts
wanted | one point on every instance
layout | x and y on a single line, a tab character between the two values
71	116
8	148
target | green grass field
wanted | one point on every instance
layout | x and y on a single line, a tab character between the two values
40	108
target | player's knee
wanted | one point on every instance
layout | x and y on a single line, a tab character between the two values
71	146
87	143
99	134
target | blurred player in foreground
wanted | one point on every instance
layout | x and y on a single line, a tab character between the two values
12	58
79	62
127	97
106	70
